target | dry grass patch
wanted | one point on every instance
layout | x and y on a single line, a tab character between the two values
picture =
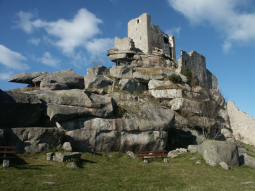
26	89
172	86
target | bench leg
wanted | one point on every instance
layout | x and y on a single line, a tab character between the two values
145	160
6	163
165	160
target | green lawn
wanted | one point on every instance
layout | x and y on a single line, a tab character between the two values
120	172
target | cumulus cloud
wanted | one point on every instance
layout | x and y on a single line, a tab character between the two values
225	16
97	46
173	30
34	41
47	59
12	59
5	75
69	33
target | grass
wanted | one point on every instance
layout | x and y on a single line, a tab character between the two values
117	171
172	86
26	89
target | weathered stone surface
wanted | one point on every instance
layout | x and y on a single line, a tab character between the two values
168	93
67	146
247	160
211	163
19	109
242	125
144	117
153	84
33	138
56	83
123	96
72	165
131	154
68	77
217	97
185	104
62	157
224	165
144	129
140	77
49	156
26	78
98	70
115	57
193	148
121	71
6	163
66	104
156	77
130	86
220	151
200	93
99	81
106	141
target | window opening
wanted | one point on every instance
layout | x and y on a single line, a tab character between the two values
137	21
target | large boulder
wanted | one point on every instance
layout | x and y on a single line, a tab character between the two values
121	72
153	84
123	96
179	104
66	104
130	86
167	93
247	160
26	78
33	139
220	151
19	109
140	77
67	77
142	127
216	96
242	125
96	81
98	70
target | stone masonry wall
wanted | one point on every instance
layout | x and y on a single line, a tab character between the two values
124	44
137	30
196	63
242	125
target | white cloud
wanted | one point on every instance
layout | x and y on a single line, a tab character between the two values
70	33
5	75
97	46
225	16
173	30
34	41
25	22
12	59
47	59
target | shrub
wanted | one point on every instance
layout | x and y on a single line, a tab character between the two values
135	93
175	78
195	82
187	72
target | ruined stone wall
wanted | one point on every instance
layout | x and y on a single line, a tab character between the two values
196	63
147	36
212	81
137	30
124	44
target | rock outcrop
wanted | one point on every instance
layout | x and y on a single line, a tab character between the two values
27	78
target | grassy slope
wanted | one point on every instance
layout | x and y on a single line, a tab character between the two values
120	172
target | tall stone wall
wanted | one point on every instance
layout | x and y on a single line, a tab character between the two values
137	30
196	63
242	125
147	36
124	44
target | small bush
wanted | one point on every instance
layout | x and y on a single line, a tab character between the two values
175	78
135	93
195	82
187	72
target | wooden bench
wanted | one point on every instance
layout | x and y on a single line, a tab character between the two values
6	151
145	155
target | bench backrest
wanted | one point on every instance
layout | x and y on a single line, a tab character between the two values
7	152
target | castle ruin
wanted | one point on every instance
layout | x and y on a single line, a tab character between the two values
148	46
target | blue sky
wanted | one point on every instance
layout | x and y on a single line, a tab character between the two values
50	36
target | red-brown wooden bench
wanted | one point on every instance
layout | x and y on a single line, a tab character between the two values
6	150
145	155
